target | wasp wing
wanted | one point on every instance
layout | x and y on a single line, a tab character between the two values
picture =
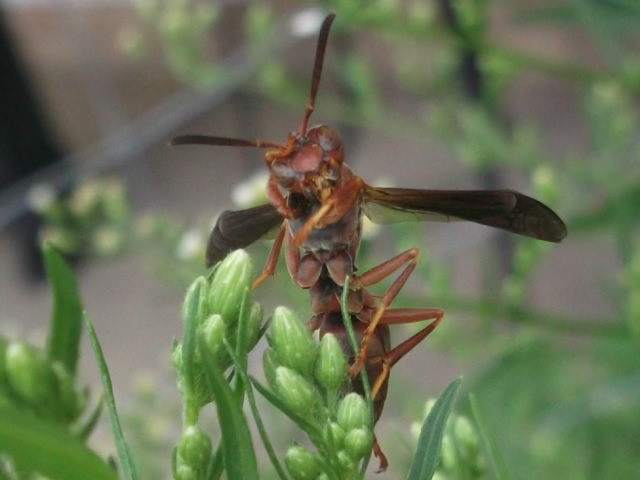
240	228
503	209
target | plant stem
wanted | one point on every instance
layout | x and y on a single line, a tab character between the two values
517	314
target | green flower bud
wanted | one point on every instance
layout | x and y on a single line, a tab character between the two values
269	365
229	284
544	183
448	453
30	375
185	472
292	342
254	324
296	391
302	464
72	400
465	435
331	367
213	331
353	412
194	305
176	356
358	442
346	462
194	448
334	435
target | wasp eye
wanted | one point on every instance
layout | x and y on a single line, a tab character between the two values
328	139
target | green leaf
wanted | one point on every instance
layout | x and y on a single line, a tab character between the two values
63	343
237	446
274	400
127	467
427	454
48	449
89	425
497	464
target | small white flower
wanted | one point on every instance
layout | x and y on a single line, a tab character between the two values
306	22
40	196
252	191
107	240
190	245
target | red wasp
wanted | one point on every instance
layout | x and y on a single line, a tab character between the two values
317	203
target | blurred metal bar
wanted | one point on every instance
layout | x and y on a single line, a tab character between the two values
154	126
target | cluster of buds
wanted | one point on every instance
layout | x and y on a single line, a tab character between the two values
218	313
461	456
28	379
311	379
94	218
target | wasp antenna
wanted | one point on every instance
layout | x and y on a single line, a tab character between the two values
221	141
317	70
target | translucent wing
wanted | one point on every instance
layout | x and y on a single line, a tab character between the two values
503	209
239	229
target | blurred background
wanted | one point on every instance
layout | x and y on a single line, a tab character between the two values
539	97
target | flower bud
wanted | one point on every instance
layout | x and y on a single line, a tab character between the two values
358	442
333	435
302	464
29	374
448	456
331	367
212	331
292	342
194	448
296	391
254	324
194	305
231	280
269	365
176	356
346	462
185	472
72	400
465	434
545	183
353	412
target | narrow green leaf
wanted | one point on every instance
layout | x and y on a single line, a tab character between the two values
274	400
48	449
262	431
127	467
85	430
63	343
497	464
237	446
427	454
192	314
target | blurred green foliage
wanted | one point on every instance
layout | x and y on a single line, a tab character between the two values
558	394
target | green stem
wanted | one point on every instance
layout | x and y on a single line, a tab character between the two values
517	314
271	453
497	462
